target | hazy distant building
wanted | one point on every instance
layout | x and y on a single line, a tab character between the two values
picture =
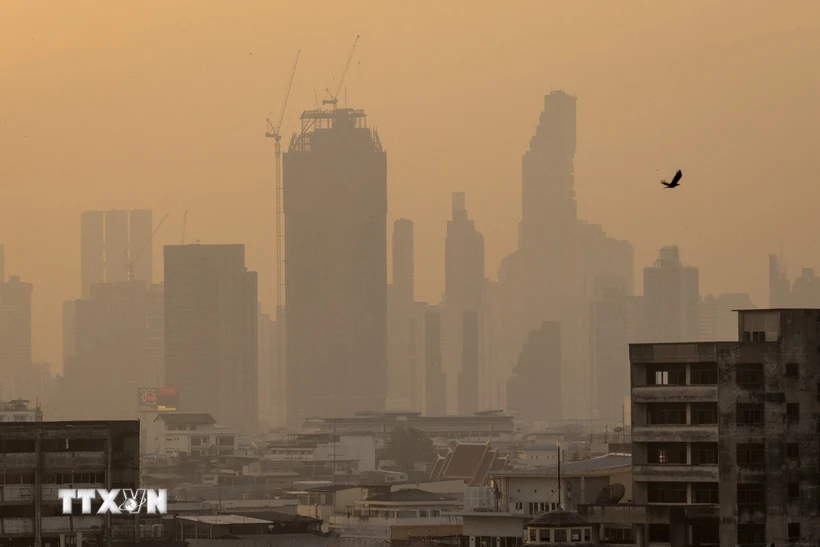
434	381
534	389
211	332
108	239
718	316
117	348
803	293
550	276
609	350
15	337
335	204
671	300
400	308
463	295
468	378
271	389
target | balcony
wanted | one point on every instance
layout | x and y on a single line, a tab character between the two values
25	460
674	473
674	394
73	460
16	526
78	523
675	433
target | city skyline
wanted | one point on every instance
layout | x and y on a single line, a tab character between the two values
174	172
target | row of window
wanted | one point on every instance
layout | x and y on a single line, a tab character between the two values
54	478
749	494
748	454
700	374
749	414
747	534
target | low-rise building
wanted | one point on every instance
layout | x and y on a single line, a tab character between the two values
175	433
20	411
403	517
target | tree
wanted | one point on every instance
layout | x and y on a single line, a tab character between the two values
407	446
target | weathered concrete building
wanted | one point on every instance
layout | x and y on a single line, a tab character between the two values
727	433
39	458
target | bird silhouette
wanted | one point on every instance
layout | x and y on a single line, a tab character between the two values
674	183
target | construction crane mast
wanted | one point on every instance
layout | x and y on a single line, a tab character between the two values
130	261
273	132
334	97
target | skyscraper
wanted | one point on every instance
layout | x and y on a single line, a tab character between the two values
400	309
671	299
108	239
335	205
211	332
15	337
463	259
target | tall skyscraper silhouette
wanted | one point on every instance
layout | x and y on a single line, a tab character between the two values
400	308
15	337
211	332
108	239
335	205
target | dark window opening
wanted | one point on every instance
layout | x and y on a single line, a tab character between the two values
793	451
705	492
666	413
666	375
751	454
750	534
703	375
617	535
705	535
792	370
666	492
704	413
793	413
666	453
16	478
704	453
751	494
659	533
749	375
749	414
16	447
793	489
794	532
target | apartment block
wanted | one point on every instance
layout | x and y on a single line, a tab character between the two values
38	458
726	433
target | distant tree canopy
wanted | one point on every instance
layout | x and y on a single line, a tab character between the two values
407	445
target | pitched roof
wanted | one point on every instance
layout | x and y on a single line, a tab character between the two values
410	495
182	418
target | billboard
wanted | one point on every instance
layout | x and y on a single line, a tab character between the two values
157	399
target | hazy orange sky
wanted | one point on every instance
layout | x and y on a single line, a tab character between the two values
162	105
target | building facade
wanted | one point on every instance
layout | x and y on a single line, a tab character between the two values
211	332
731	429
335	205
37	459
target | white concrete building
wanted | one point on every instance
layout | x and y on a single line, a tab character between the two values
172	434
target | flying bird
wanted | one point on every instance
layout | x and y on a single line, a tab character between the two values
674	183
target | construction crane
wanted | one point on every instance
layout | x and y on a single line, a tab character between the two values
273	132
130	261
334	97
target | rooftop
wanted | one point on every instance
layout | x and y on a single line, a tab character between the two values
592	465
410	495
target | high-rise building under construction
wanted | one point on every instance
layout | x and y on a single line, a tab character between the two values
335	207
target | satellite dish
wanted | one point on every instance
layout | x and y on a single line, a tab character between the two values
611	495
